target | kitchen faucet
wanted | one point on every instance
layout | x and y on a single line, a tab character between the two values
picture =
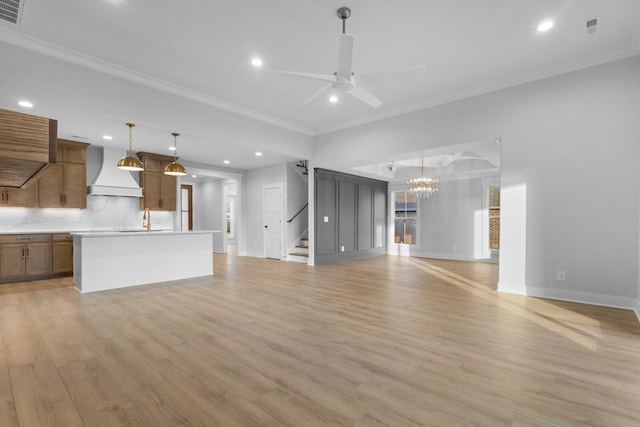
146	219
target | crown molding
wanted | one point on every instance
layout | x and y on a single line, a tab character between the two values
26	41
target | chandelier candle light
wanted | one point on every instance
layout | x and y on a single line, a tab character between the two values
423	187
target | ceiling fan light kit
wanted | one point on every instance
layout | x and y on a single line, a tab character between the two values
344	80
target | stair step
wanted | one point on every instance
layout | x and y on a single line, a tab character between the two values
299	254
302	246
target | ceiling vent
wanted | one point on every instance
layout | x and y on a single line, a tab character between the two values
592	26
11	10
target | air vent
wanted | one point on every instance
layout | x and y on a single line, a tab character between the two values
592	26
11	10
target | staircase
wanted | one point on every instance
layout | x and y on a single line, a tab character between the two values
301	252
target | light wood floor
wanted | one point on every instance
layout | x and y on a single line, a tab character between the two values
388	341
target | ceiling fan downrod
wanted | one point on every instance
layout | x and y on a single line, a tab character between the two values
344	13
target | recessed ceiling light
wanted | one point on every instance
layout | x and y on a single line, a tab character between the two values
172	148
194	176
107	137
256	62
25	104
226	162
545	26
333	99
258	153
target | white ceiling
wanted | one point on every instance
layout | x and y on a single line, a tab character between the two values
185	66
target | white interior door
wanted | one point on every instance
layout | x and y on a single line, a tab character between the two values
272	214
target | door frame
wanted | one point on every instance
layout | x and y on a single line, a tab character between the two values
189	189
264	232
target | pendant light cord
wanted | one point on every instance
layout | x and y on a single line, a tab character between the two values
131	125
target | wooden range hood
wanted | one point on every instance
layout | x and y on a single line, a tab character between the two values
28	146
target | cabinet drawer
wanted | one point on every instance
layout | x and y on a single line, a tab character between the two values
25	238
62	237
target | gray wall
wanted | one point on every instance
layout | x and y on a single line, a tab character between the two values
351	217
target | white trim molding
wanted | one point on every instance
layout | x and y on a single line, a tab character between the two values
26	41
573	296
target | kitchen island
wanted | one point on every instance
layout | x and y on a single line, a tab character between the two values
117	259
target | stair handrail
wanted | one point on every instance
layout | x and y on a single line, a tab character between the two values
298	213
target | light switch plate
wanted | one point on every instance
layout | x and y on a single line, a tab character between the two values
326	219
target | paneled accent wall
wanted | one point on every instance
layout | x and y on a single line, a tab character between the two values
350	216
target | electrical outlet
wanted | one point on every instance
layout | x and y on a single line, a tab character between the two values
341	248
326	219
560	275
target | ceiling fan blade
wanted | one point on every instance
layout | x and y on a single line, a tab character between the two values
345	56
318	93
324	77
418	69
365	96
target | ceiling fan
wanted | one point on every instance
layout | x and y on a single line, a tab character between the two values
344	80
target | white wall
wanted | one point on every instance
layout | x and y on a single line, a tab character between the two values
252	230
296	197
208	202
570	175
453	223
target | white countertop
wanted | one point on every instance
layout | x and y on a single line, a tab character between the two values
124	233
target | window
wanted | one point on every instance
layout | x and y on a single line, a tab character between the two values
494	217
405	209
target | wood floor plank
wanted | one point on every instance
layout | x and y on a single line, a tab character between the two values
388	341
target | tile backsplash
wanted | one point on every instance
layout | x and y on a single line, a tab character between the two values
102	213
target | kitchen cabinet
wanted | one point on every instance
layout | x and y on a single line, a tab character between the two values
62	254
64	185
25	256
158	189
19	197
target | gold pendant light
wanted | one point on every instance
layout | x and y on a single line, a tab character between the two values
129	162
175	168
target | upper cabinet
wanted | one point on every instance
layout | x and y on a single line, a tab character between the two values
64	185
27	147
19	197
158	189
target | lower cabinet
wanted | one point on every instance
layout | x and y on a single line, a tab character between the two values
25	256
62	256
35	256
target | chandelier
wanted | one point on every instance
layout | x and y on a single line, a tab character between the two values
423	187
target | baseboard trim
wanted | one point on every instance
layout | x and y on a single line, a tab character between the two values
573	296
510	288
453	257
253	254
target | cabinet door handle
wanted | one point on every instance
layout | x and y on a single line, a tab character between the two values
6	196
27	251
23	253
